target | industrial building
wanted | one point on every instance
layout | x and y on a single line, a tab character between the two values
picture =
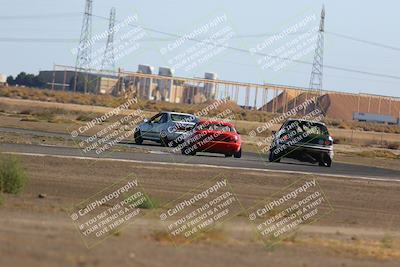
166	87
373	117
162	85
79	81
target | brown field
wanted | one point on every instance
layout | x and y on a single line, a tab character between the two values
67	114
362	230
336	108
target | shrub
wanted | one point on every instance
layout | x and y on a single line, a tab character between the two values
85	117
393	145
148	203
26	112
12	175
45	115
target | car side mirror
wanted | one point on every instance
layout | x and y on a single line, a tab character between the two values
146	120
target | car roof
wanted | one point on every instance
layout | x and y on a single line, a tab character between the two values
302	120
177	113
217	122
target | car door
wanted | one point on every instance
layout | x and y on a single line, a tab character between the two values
280	134
147	127
158	124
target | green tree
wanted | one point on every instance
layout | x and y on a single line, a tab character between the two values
27	79
10	80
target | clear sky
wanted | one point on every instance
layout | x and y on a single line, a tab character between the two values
36	34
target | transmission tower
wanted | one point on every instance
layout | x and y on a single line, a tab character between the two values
108	58
84	57
318	64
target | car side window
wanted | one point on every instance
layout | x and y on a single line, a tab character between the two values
282	130
164	118
156	119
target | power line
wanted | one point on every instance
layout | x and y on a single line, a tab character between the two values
258	53
61	40
364	41
68	40
39	40
42	16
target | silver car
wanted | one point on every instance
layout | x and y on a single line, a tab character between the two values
166	128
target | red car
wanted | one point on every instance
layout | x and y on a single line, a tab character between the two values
214	137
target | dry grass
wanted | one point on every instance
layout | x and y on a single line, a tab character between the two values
377	249
363	126
355	133
111	101
213	235
60	96
377	154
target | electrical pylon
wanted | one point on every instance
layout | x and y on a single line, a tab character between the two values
108	58
84	57
318	64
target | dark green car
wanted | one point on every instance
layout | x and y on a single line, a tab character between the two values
307	141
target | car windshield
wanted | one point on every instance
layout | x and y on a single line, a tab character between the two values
308	127
182	118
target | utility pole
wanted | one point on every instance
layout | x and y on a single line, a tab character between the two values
84	57
108	58
317	68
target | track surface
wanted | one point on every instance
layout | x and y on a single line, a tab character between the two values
249	160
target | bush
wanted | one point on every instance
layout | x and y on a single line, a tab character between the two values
12	175
85	117
393	146
149	203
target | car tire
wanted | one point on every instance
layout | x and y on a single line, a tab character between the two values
329	163
164	139
238	154
137	136
185	152
326	161
272	157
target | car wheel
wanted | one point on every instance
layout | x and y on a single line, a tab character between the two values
272	157
326	161
137	136
188	152
329	164
238	154
164	139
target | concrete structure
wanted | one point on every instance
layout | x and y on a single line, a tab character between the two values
107	86
95	83
210	88
165	85
372	117
275	98
145	85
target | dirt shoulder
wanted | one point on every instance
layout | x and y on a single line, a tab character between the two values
363	230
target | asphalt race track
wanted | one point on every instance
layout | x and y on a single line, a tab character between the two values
157	154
